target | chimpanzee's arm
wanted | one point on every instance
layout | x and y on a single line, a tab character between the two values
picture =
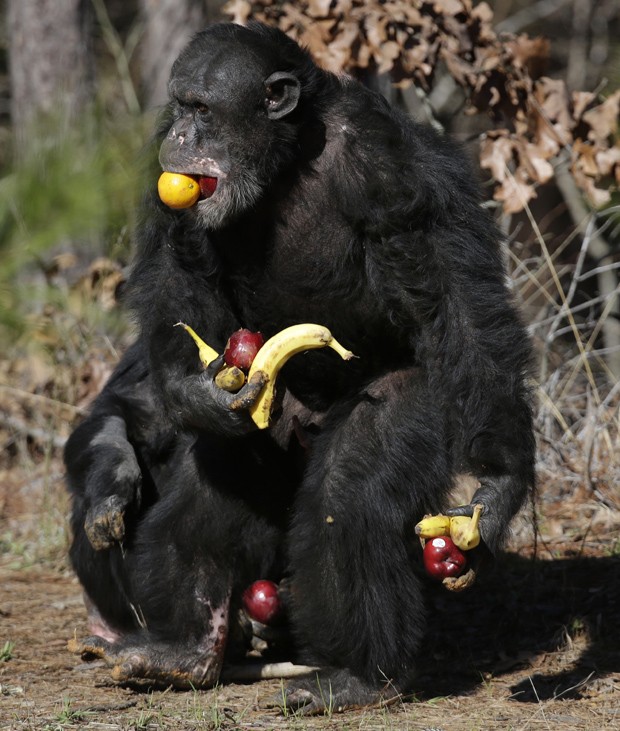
175	280
451	281
102	467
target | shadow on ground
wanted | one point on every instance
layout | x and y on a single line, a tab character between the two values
518	615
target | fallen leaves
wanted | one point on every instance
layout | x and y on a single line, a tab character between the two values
502	76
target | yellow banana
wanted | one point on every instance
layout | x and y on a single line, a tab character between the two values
432	526
464	531
230	378
206	353
274	354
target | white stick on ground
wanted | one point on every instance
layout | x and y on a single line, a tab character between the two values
265	671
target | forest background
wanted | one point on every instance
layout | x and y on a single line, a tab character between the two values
532	88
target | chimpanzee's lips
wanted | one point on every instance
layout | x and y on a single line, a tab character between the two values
207	185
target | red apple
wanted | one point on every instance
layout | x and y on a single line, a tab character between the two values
242	347
207	186
442	558
261	601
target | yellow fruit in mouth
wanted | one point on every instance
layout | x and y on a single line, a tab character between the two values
177	190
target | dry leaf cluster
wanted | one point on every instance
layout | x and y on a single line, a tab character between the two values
536	117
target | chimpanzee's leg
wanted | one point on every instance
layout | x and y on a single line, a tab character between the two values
377	467
165	593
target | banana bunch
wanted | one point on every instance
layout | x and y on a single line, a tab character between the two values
463	531
267	364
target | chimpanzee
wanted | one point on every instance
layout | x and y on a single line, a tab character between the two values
329	207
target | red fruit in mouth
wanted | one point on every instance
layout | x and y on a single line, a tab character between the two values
442	558
242	347
261	601
207	186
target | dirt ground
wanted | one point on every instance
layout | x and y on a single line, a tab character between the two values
535	645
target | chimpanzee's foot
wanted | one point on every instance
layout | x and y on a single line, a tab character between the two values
334	691
183	666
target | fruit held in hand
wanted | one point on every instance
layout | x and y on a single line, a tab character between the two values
205	352
242	347
442	558
230	378
464	531
245	351
261	601
432	526
276	352
177	190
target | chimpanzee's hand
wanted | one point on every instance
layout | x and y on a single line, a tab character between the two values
111	478
465	510
500	496
104	524
200	402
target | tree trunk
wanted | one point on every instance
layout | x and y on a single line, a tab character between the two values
168	26
51	63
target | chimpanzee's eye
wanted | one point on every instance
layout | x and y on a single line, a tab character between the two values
202	108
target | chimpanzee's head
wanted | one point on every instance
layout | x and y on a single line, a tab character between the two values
237	96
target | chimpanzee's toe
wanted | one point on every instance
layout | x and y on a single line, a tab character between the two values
91	648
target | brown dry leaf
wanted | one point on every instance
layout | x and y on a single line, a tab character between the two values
338	53
319	8
460	32
486	59
388	53
496	153
414	58
552	96
375	29
529	54
590	164
364	56
448	7
495	97
551	117
309	33
597	196
545	135
581	100
533	158
603	119
483	12
584	158
240	10
608	159
405	12
515	192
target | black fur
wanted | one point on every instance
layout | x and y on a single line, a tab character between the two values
344	212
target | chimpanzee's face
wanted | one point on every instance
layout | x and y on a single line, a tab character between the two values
226	103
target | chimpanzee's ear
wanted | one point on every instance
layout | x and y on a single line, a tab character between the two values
282	93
